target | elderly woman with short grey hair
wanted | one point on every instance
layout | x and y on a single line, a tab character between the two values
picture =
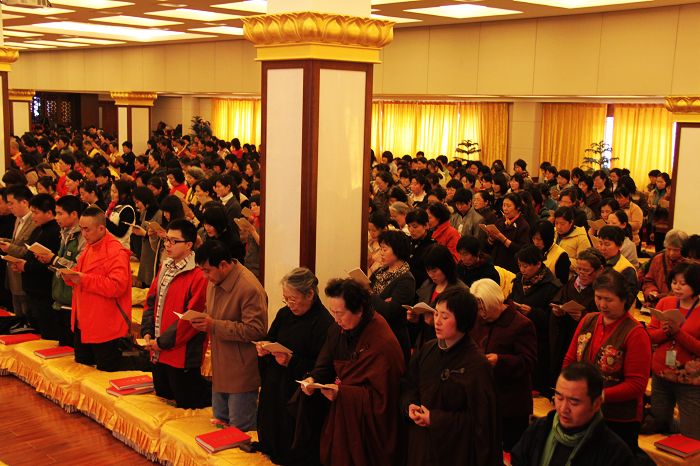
398	211
656	282
300	327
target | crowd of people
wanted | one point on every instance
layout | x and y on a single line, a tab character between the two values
485	289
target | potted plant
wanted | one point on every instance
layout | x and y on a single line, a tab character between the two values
596	155
201	127
467	147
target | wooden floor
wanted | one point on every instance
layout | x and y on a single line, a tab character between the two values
36	432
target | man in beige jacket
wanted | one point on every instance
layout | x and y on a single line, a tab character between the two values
236	316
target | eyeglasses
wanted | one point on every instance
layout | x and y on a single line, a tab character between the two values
169	240
289	300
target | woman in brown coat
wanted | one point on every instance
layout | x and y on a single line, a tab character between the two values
508	339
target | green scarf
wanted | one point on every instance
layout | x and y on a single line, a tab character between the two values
557	435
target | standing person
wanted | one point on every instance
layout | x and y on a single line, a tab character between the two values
574	432
18	198
449	394
466	219
508	340
362	362
513	234
120	213
176	347
555	257
36	277
101	308
417	222
619	346
7	227
301	325
236	317
675	361
68	210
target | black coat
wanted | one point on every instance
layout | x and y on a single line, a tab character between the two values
603	447
538	297
418	248
36	278
401	290
483	269
519	235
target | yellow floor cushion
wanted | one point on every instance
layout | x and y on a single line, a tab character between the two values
139	419
237	457
136	315
61	382
28	365
94	400
7	359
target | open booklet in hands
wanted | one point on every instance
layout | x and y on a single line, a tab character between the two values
191	315
320	386
420	308
273	347
674	315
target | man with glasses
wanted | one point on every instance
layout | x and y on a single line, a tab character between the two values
574	433
176	347
236	317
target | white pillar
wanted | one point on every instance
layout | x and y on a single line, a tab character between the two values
134	117
524	137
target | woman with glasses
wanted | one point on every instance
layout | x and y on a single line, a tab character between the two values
579	288
448	395
301	326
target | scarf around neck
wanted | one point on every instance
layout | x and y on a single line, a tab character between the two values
384	276
575	441
529	282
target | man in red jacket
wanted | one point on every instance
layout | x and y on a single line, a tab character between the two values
177	349
101	281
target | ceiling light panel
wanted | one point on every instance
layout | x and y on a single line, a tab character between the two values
395	19
572	4
463	11
387	2
196	15
36	11
10	33
22	45
109	32
55	43
6	17
252	6
228	30
87	40
92	4
136	21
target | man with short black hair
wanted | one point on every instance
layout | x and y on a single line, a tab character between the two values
176	347
574	433
466	219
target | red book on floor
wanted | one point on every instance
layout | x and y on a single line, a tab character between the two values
222	439
679	445
52	353
5	313
129	391
138	381
21	338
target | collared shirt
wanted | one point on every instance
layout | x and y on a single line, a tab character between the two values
19	223
226	198
67	234
169	271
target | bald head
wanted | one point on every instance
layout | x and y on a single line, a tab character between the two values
93	224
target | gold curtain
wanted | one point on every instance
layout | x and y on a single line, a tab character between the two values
236	118
642	139
436	128
568	130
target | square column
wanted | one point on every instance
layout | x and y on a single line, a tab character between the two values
134	117
21	116
8	56
316	129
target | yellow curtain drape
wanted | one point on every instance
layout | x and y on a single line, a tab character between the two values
236	118
437	127
642	139
568	129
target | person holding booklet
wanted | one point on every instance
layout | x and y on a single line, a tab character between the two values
176	347
236	317
300	327
448	394
361	361
510	233
675	362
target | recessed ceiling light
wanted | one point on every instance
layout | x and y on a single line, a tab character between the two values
386	2
108	32
10	33
570	4
395	19
463	11
253	6
92	4
136	21
87	40
55	43
197	15
36	11
28	46
229	30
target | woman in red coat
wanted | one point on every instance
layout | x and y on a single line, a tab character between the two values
443	232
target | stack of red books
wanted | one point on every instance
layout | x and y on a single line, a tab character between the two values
222	439
131	385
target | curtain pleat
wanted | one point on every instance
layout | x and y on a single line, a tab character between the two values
236	118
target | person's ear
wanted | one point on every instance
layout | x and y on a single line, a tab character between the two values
597	403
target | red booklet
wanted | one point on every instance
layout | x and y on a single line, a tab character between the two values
679	445
57	352
138	381
21	338
222	439
129	391
5	313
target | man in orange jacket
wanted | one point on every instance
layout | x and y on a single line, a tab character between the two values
101	281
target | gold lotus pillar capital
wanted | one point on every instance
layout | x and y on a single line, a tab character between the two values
323	36
8	55
21	95
683	104
133	99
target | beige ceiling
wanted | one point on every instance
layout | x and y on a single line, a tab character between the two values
81	23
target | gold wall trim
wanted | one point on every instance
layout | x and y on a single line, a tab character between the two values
8	56
141	99
683	104
305	35
21	95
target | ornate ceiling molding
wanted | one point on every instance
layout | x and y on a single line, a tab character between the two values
21	95
683	104
130	99
8	56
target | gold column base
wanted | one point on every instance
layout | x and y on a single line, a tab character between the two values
8	56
